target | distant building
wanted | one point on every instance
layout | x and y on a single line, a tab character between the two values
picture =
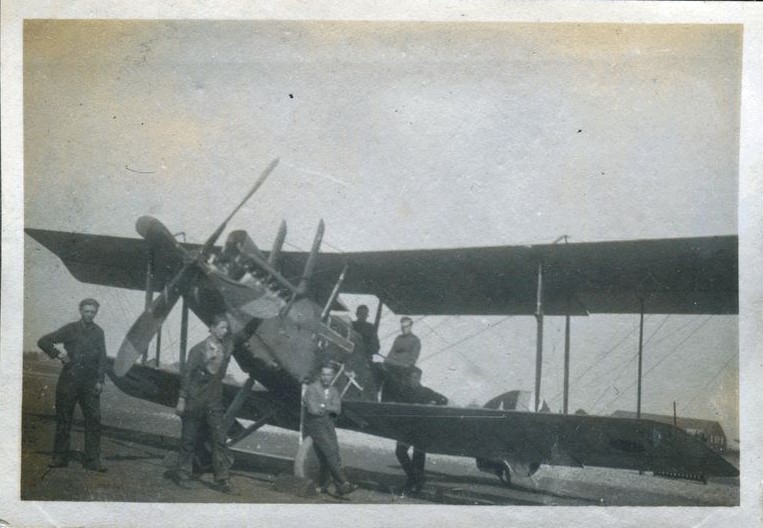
708	431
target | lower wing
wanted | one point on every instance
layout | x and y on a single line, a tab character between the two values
553	439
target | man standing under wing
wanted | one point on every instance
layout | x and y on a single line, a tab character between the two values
415	392
322	405
201	401
403	385
81	381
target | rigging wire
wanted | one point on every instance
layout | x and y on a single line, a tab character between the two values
625	366
732	356
463	355
666	356
468	337
622	369
597	361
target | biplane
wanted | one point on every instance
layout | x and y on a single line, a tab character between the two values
285	322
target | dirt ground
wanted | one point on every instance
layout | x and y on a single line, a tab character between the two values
137	461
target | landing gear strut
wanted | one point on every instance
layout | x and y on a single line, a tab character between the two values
504	470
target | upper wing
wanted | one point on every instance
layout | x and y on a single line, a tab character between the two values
553	439
110	261
683	276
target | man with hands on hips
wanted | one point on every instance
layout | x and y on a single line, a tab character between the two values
81	382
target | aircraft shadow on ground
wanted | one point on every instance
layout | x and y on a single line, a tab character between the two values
441	487
496	483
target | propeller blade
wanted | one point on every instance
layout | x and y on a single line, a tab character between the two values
147	325
213	238
136	342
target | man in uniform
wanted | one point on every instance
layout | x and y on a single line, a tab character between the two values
406	348
403	385
367	331
400	361
201	401
322	405
80	382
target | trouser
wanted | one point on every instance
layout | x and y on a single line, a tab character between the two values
414	469
321	430
70	391
192	422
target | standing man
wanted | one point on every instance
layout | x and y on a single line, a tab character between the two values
367	331
80	382
322	405
415	392
201	401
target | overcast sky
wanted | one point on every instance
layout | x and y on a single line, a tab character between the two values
402	136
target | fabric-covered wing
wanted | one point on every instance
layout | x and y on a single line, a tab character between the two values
109	261
681	276
552	439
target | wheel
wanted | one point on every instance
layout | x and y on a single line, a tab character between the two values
504	473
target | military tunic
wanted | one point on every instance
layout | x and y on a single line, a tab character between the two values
321	405
370	340
85	345
202	388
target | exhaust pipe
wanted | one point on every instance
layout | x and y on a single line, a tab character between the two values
307	274
275	254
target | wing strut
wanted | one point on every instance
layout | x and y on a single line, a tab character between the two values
240	435
377	319
149	293
567	357
539	338
183	333
640	354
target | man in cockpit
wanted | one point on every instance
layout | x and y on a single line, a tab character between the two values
367	331
400	361
406	348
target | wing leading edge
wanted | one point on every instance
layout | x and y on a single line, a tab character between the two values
680	276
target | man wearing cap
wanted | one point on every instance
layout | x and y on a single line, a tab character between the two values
406	348
367	331
201	402
400	361
81	381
